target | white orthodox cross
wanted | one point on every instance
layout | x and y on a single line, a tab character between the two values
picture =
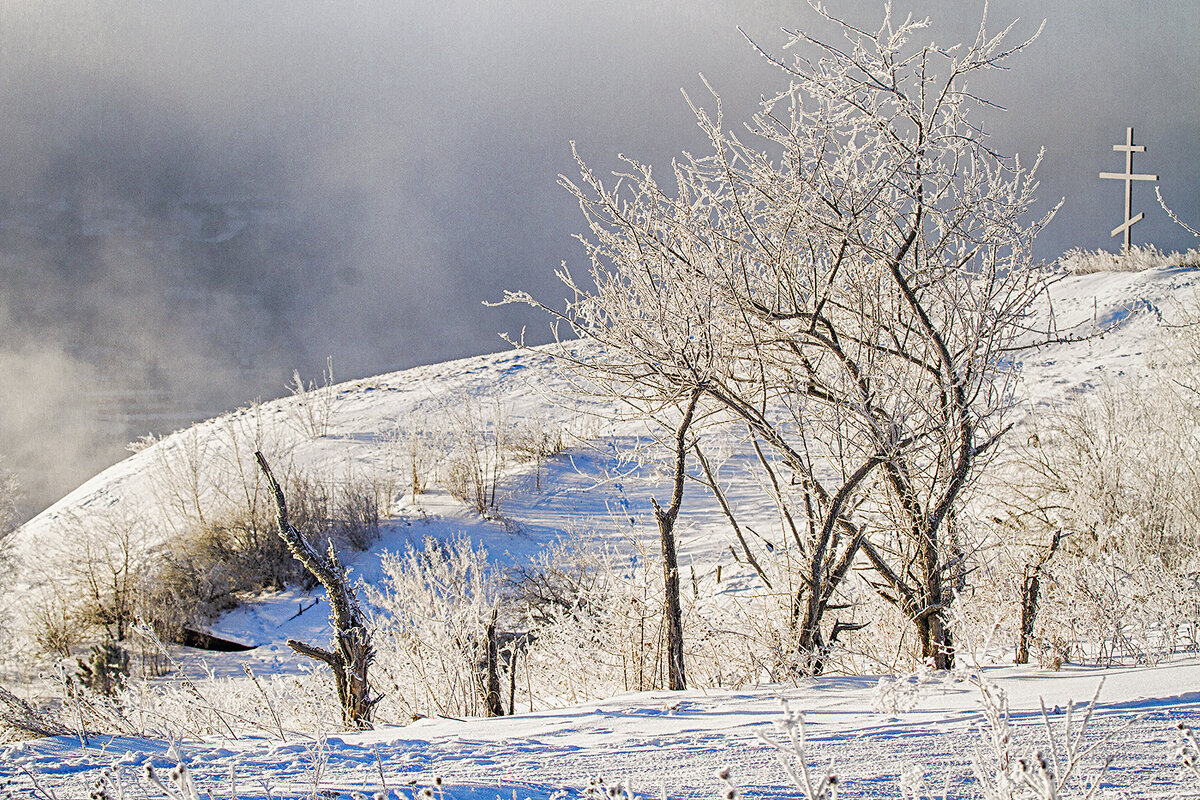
1129	177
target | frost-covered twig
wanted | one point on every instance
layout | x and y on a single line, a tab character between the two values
1189	750
18	714
314	404
793	756
266	698
1172	214
1007	771
181	787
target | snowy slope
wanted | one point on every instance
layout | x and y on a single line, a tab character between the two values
597	488
1127	304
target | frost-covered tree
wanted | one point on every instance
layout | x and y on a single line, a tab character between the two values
845	277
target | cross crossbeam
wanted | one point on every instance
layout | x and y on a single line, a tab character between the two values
1129	148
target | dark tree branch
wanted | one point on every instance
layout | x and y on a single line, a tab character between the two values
352	655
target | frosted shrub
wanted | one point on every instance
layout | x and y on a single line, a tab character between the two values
10	503
596	624
431	615
52	628
477	453
180	708
344	512
284	706
419	454
596	628
1138	258
1114	476
314	403
91	578
179	704
535	440
474	453
578	623
746	639
749	634
1112	610
209	565
18	719
111	568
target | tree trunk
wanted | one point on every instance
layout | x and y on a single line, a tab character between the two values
933	632
352	653
1029	601
937	646
824	575
676	677
492	705
672	609
1030	588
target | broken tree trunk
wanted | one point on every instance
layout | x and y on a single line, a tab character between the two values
351	654
491	695
1030	589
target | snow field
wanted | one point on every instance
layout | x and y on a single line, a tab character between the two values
659	742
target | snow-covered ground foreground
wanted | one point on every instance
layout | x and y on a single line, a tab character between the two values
673	744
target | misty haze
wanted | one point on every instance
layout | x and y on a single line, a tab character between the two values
197	199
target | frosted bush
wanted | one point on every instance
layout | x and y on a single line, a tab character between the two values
415	445
596	619
477	449
314	404
1112	610
431	614
596	628
289	705
745	639
1114	475
1138	258
10	503
179	706
102	572
536	440
573	625
897	694
577	623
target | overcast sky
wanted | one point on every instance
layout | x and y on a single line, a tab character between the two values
198	197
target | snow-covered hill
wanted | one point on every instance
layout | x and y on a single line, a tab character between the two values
525	388
1128	305
598	486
